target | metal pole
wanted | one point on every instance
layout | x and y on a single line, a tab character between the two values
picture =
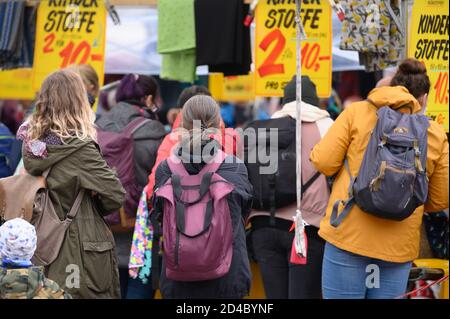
405	15
299	111
300	244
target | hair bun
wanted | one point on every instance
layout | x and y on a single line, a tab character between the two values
412	66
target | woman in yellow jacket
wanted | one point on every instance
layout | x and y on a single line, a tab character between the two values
367	256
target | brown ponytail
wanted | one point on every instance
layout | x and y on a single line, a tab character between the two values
412	74
201	118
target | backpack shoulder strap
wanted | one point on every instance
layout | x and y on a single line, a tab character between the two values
335	219
46	172
76	205
310	182
134	125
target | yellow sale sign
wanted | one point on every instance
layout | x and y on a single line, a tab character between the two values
231	88
429	43
69	34
16	84
275	45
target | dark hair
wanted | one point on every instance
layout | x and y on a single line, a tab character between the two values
135	87
191	91
412	74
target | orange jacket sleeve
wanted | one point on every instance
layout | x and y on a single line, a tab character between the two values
438	185
329	154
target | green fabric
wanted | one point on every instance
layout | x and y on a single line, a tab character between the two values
89	244
179	66
176	39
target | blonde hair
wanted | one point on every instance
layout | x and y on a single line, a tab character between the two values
62	108
88	75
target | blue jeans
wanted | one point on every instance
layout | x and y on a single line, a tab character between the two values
349	276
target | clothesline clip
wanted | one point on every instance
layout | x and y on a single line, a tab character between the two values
299	237
337	7
112	12
251	13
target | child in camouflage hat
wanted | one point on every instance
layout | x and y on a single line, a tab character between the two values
19	279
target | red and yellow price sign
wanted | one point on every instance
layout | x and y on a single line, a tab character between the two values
275	51
232	88
429	43
69	34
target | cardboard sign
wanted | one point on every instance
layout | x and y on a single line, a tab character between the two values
275	45
16	84
232	88
69	34
429	43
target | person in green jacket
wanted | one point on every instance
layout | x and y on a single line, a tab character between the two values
61	135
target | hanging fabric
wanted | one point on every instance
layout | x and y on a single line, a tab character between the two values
373	28
18	25
176	40
222	39
141	248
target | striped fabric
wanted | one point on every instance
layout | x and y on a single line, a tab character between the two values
18	25
6	140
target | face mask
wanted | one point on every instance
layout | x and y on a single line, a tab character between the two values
91	99
424	102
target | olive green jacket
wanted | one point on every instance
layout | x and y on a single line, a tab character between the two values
86	266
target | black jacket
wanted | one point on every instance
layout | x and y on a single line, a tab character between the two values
236	283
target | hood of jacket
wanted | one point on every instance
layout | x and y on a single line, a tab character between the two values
21	282
309	113
56	153
123	113
396	97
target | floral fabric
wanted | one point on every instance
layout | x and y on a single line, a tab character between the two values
141	248
370	29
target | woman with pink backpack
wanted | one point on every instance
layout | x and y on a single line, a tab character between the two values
201	198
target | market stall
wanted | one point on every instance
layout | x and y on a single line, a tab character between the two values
254	55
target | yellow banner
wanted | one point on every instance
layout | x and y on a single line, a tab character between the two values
429	43
232	88
16	84
275	45
69	34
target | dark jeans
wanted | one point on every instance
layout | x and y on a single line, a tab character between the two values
134	288
283	280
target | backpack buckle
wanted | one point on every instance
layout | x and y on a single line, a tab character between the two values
416	148
383	141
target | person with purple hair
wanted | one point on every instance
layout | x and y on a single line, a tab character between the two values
136	96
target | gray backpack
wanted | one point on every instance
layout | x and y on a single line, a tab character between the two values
392	180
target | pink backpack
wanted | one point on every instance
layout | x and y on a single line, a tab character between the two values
197	229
